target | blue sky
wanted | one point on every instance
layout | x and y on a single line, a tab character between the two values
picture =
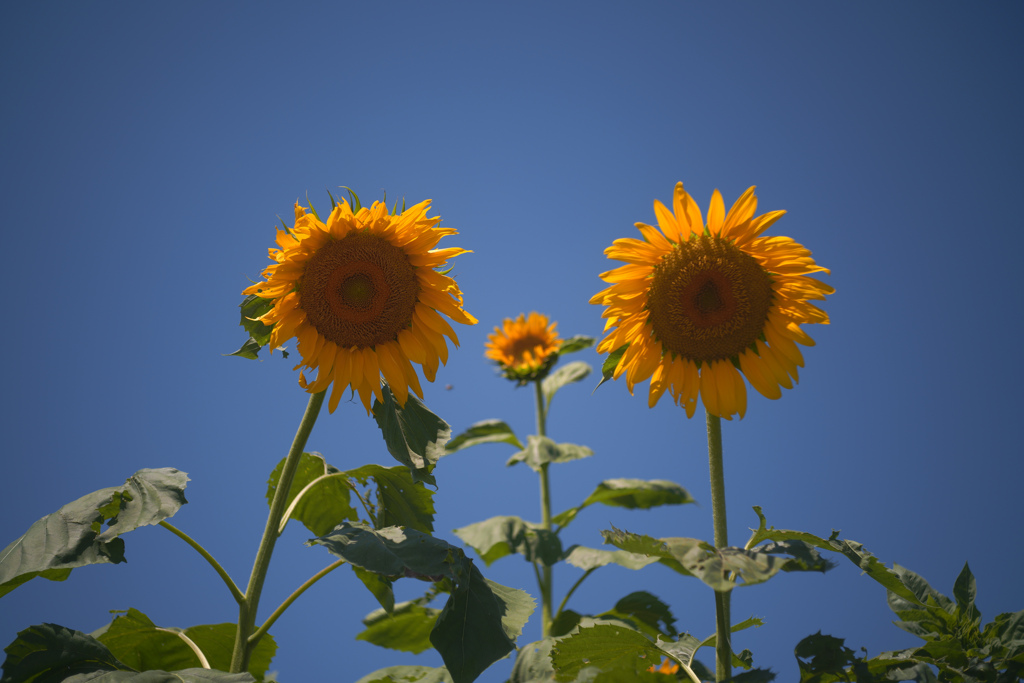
146	151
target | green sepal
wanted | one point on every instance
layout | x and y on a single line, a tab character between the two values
610	363
485	431
497	537
259	334
414	436
632	494
405	628
135	640
74	536
541	451
326	503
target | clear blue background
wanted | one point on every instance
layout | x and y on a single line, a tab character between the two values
146	150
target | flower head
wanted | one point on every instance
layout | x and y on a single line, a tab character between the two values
699	306
667	667
525	348
362	295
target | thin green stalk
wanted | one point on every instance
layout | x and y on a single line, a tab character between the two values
723	650
247	609
254	639
235	592
547	587
572	590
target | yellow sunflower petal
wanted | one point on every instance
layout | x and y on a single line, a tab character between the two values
716	213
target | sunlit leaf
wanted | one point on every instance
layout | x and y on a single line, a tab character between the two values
567	374
135	640
74	535
541	451
574	344
608	648
487	431
408	674
406	628
610	363
592	558
632	494
326	501
414	436
401	501
500	536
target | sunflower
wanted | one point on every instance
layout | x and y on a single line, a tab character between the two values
362	295
524	348
667	667
699	306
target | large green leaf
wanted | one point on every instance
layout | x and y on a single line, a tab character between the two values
497	537
325	501
541	451
486	431
414	436
567	374
608	648
406	628
74	535
592	558
135	640
401	501
408	674
630	493
481	619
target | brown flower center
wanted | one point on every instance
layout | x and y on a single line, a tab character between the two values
528	343
359	291
709	299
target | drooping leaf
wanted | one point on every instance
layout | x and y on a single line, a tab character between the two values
608	648
592	558
408	674
567	374
48	652
610	363
497	537
406	628
803	557
379	586
414	436
574	344
326	501
401	501
481	619
630	493
73	536
486	431
250	349
541	451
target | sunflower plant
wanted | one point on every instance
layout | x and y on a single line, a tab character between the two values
363	291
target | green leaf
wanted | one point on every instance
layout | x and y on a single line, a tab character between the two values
406	628
183	676
820	655
408	674
414	436
610	363
564	621
533	663
325	501
135	640
541	450
259	334
73	536
567	374
606	647
48	652
592	558
378	585
804	556
249	350
632	494
401	501
574	344
965	590
497	537
487	431
481	619
649	614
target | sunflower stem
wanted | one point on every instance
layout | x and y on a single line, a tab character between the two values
723	650
247	609
546	587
